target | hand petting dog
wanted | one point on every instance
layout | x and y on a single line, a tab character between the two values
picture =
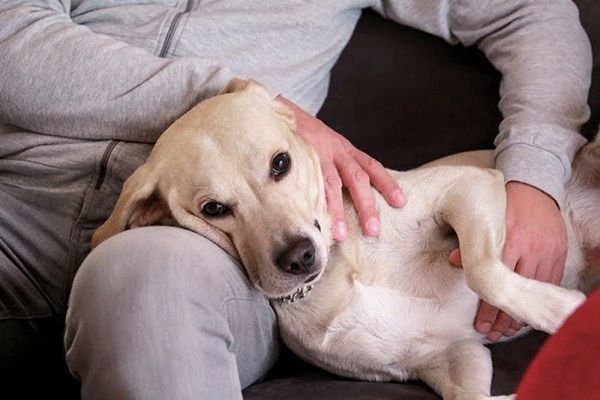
343	165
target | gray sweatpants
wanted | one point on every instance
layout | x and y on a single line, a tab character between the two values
162	313
155	312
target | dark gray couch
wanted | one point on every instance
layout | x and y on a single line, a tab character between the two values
406	98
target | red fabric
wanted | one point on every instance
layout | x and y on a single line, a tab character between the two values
568	364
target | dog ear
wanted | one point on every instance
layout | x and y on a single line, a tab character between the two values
286	114
243	85
138	205
239	85
235	85
141	204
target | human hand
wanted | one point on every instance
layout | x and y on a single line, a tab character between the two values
343	165
535	247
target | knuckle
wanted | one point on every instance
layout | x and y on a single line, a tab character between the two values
345	146
334	181
374	164
361	176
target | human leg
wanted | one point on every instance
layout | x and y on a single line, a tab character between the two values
43	182
161	312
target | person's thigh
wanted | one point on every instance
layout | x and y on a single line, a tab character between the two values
43	185
161	312
54	192
39	204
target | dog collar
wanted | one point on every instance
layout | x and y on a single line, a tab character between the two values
300	293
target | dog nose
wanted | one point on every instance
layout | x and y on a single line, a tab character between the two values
298	258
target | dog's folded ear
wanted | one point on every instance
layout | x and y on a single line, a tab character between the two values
138	205
285	113
141	203
240	85
236	85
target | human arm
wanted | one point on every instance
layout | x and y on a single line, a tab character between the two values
544	57
60	78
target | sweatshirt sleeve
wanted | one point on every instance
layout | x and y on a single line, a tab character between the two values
544	56
60	78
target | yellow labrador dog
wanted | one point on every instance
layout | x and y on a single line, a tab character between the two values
234	170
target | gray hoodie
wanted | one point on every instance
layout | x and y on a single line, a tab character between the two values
125	70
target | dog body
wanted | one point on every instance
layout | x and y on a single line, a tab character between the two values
389	308
393	309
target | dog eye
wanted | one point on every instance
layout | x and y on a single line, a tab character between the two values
280	165
214	209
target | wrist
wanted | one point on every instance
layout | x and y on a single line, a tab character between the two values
534	166
526	189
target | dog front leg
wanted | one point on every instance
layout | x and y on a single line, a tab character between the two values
463	371
475	208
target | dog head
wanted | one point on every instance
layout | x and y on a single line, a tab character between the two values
234	170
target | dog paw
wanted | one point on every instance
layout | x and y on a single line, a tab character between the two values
555	309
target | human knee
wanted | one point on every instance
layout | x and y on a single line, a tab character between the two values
149	263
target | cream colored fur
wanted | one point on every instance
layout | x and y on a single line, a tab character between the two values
381	309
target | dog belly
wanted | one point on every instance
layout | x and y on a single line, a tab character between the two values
380	334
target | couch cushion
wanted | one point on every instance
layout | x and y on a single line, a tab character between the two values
292	379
